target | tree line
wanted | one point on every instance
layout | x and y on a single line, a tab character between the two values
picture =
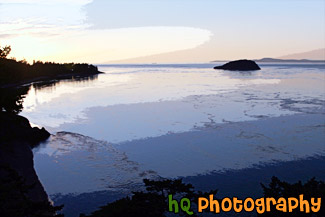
13	71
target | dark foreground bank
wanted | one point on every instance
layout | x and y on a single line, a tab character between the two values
21	192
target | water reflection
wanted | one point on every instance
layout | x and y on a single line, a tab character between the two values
12	98
53	83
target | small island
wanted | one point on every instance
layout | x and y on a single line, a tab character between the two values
239	65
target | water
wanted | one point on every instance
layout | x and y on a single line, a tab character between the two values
145	101
146	121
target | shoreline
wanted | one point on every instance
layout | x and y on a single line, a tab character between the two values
17	73
44	79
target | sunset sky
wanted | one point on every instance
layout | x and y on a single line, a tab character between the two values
104	31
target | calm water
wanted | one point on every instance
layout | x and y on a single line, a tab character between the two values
142	121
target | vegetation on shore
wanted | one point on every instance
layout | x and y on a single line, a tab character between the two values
11	99
310	189
150	203
17	72
154	201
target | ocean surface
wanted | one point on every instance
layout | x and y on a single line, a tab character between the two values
184	120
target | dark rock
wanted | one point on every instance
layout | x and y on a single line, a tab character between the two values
18	156
20	189
16	127
239	65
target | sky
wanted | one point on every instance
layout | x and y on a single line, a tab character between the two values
108	31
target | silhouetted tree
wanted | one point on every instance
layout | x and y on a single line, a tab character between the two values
11	99
12	71
277	189
151	203
4	52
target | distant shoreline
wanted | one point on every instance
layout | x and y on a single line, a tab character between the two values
273	60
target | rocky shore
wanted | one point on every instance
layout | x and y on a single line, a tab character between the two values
21	190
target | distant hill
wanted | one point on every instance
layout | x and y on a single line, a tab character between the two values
195	56
318	54
273	60
314	56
